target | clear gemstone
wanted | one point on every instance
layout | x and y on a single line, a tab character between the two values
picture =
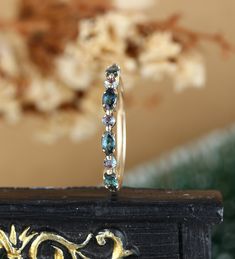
108	120
110	162
111	182
109	84
109	99
108	143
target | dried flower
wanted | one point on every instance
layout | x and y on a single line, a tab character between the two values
159	47
55	68
134	5
9	105
47	94
157	52
190	72
72	68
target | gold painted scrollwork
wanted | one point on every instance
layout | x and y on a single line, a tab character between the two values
10	243
72	248
14	247
118	249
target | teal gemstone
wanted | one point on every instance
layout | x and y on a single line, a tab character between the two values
109	99
108	143
111	182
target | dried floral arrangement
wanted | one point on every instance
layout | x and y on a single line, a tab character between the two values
52	58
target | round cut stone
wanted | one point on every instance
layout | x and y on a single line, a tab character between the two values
110	162
111	83
108	143
111	182
109	99
108	120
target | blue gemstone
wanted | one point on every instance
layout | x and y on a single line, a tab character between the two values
108	120
111	182
108	143
110	162
109	99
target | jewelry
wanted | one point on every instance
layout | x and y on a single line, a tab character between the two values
113	104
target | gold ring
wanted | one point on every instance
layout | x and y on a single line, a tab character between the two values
113	104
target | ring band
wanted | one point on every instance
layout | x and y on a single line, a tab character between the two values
113	103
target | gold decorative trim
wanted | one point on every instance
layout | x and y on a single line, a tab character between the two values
118	249
14	247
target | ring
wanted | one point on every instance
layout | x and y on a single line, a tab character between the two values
113	104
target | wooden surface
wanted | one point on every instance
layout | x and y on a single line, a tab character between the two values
156	224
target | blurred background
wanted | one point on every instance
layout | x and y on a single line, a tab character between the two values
178	66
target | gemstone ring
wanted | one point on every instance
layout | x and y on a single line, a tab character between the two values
112	143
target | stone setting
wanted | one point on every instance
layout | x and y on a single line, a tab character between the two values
111	83
108	143
109	99
108	120
112	70
110	162
111	182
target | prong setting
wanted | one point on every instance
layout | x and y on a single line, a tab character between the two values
109	103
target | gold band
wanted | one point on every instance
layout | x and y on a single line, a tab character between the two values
121	134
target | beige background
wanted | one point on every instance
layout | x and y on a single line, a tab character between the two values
177	119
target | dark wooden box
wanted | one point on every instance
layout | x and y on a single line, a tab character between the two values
91	223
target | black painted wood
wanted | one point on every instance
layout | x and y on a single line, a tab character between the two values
157	224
